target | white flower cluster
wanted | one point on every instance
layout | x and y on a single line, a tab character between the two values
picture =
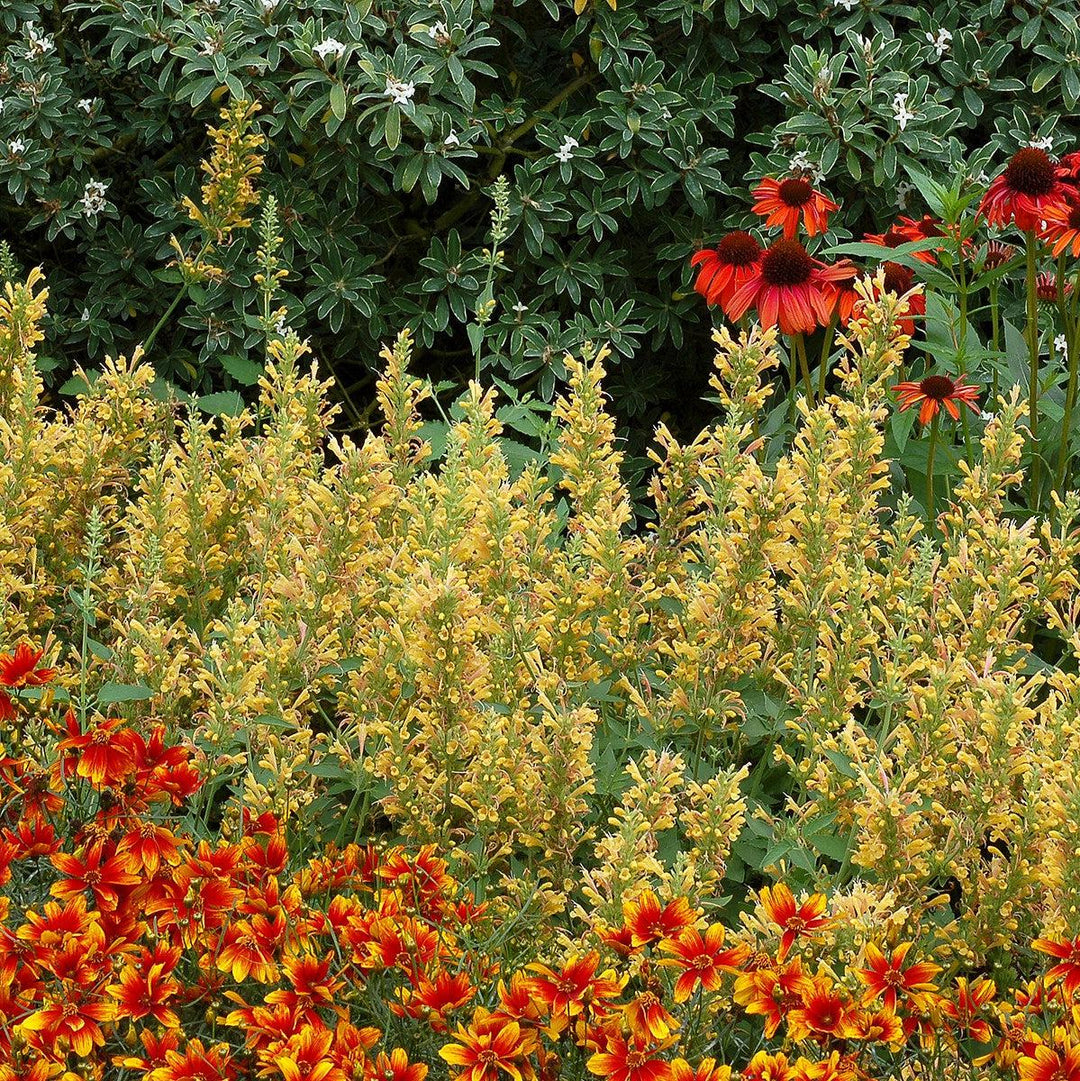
439	33
93	198
38	44
1061	344
16	147
801	162
398	92
901	111
1045	143
566	151
941	40
329	47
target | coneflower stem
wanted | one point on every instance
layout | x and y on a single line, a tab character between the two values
930	469
1072	346
1033	351
826	352
804	364
995	330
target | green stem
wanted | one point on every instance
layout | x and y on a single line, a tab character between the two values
804	365
1033	353
961	332
826	352
930	469
1072	345
995	330
165	318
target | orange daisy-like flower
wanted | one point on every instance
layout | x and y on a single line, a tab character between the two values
888	979
794	920
397	1067
935	391
707	1070
75	1020
647	1018
141	995
105	878
484	1051
768	1067
1061	229
20	669
904	233
790	289
771	993
725	267
1046	1064
823	1011
196	1062
1068	954
786	202
702	958
1029	186
629	1060
649	921
970	1001
567	992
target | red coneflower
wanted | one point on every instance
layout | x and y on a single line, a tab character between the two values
1028	187
784	202
934	392
997	254
906	232
790	288
1046	287
899	280
1062	226
725	267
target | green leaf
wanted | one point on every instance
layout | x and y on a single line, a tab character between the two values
111	693
392	127
338	105
225	403
245	372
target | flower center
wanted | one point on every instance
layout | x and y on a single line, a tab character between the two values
1074	216
701	962
938	388
795	192
738	249
898	279
488	1057
565	987
894	238
786	263
1031	172
634	1059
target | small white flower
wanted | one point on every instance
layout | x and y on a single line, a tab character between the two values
86	104
521	308
39	44
847	5
566	151
212	4
451	139
903	190
987	416
210	46
93	198
438	31
1045	143
981	179
16	147
800	162
281	327
941	41
329	47
398	92
1061	344
86	315
901	111
269	5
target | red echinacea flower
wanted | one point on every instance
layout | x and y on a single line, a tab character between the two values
936	391
1061	229
1024	191
791	289
725	267
785	202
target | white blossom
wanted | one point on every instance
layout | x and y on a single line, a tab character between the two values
93	198
903	190
1045	143
987	416
398	92
451	139
329	47
86	104
801	162
39	44
438	32
847	5
269	5
566	151
210	46
521	308
281	328
16	147
941	40
1061	344
901	111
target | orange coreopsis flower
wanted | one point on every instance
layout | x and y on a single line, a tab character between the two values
935	391
196	1063
76	1020
245	953
396	1067
785	202
790	289
707	1070
725	267
823	1011
483	1051
105	878
567	992
1068	954
649	921
310	990
794	920
880	1026
516	1002
889	978
647	1018
305	1057
20	669
146	848
434	999
970	1000
629	1060
1029	186
772	993
140	995
1048	1064
768	1067
702	959
104	754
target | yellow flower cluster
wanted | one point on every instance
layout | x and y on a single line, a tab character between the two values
482	657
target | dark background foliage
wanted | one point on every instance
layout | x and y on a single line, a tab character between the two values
675	107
